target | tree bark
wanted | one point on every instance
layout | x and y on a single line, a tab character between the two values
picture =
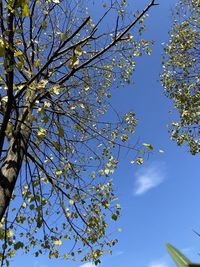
12	164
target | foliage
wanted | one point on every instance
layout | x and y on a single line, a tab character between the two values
58	148
179	258
180	75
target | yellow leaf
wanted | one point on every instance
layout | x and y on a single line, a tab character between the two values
58	242
107	171
140	160
19	65
56	89
63	36
148	146
58	172
42	132
37	63
18	53
10	233
74	62
78	51
25	8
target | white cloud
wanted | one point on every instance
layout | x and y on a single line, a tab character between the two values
38	264
88	264
188	250
119	253
148	178
158	264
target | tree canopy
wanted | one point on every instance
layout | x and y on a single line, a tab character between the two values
58	147
180	75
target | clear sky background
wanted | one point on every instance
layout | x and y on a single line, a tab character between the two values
160	200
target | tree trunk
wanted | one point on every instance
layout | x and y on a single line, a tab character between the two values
12	164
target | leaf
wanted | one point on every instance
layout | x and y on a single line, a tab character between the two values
71	202
177	256
78	51
24	205
74	62
37	63
41	132
12	253
2	48
56	145
114	217
118	206
66	256
58	172
60	131
25	8
18	245
19	65
58	242
148	146
107	171
18	53
63	36
44	24
140	161
56	89
10	233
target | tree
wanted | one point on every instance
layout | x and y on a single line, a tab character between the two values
180	75
56	143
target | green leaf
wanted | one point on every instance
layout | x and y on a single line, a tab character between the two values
177	256
60	131
44	24
2	48
18	245
19	65
114	217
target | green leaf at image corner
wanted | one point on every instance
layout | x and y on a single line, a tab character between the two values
178	257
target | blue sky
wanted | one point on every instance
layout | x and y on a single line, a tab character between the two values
160	200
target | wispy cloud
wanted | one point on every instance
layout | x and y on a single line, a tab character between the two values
38	264
148	178
158	264
187	251
88	264
119	253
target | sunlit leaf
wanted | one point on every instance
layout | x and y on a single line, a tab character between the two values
58	242
177	256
